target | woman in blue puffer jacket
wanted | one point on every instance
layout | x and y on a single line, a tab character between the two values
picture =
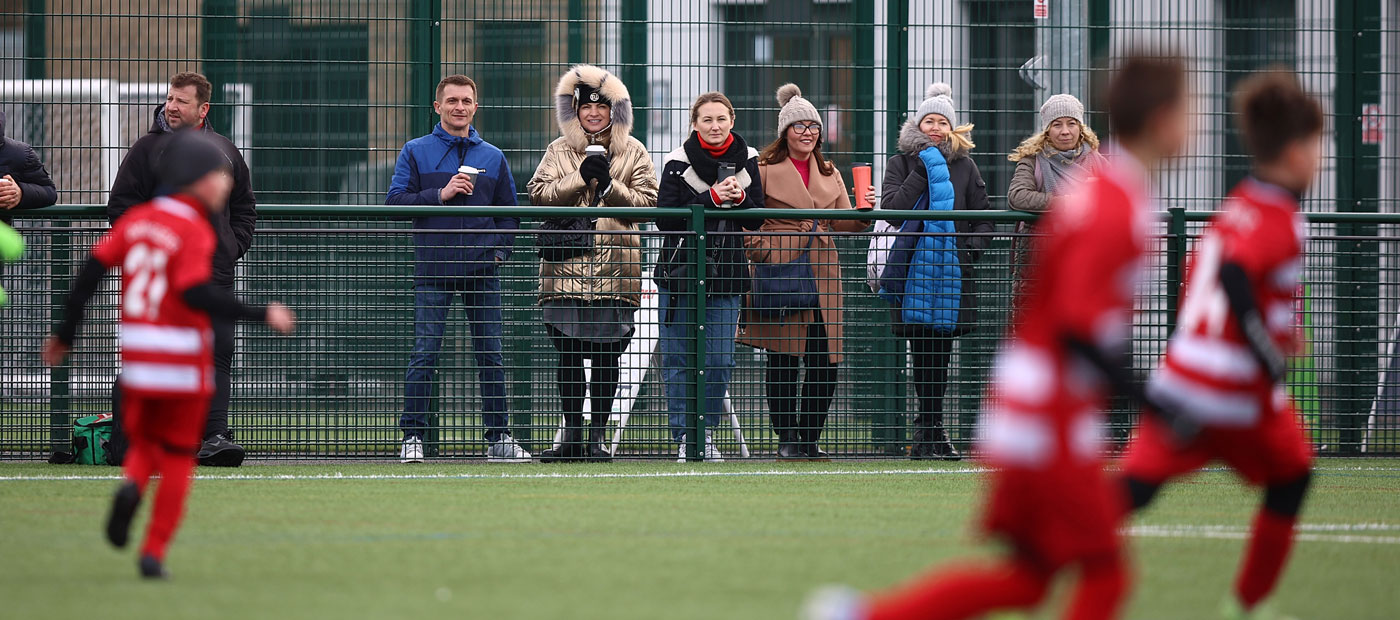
929	278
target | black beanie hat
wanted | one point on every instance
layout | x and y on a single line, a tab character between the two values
584	93
189	155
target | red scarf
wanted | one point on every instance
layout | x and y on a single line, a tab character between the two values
716	151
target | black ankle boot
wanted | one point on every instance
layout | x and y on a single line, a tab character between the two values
596	452
571	447
922	448
942	446
812	426
790	445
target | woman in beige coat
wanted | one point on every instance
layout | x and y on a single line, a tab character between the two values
795	175
589	300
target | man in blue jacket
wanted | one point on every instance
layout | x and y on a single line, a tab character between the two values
428	172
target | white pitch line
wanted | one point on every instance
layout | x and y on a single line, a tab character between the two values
535	476
599	475
1307	532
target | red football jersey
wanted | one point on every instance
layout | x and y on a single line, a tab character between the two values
164	247
1083	281
1209	369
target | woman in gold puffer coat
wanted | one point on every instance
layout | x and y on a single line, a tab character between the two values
588	301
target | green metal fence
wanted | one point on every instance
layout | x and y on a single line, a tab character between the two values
336	389
320	96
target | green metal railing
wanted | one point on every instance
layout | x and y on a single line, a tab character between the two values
336	388
321	96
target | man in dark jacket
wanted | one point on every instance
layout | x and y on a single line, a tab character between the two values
187	107
429	171
24	183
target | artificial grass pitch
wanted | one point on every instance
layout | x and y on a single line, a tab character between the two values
629	540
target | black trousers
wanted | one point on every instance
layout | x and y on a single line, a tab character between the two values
784	385
931	353
572	383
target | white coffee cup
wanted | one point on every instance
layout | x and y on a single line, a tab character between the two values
596	149
471	175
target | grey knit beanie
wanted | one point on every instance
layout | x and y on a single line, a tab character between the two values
795	108
938	99
1061	106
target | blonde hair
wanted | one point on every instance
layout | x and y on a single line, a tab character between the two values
1033	145
961	139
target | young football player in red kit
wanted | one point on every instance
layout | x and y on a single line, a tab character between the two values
1225	363
165	249
1049	498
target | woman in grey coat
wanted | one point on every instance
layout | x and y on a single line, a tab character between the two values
1046	165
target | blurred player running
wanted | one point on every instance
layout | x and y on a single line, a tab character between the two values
1226	361
1049	497
165	248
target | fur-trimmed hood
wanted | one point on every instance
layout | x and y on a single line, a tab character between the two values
609	86
912	141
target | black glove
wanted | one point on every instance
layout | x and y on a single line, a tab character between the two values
595	168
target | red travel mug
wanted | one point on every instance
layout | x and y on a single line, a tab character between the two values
860	179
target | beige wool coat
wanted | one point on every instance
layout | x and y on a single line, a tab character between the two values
783	189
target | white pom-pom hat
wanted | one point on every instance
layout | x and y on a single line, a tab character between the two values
938	99
794	107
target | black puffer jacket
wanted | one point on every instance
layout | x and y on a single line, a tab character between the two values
18	160
686	178
137	183
906	181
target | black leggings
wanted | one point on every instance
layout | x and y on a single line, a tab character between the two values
931	354
572	384
816	390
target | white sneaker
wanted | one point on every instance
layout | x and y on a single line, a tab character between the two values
506	450
712	454
411	451
834	603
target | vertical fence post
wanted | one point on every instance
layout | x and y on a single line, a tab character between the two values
889	431
425	55
1176	254
1358	187
695	437
424	65
220	46
60	276
60	257
635	64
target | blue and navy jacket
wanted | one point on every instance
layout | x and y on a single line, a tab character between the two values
930	277
424	167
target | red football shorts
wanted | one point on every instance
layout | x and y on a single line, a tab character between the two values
1056	516
176	424
1273	450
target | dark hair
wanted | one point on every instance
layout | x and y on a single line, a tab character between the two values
1272	111
713	96
778	151
1143	85
201	85
456	79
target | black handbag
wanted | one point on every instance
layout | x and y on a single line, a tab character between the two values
780	289
573	239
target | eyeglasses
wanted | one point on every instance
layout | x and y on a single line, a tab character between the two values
801	128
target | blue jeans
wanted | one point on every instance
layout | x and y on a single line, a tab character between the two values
678	354
431	301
